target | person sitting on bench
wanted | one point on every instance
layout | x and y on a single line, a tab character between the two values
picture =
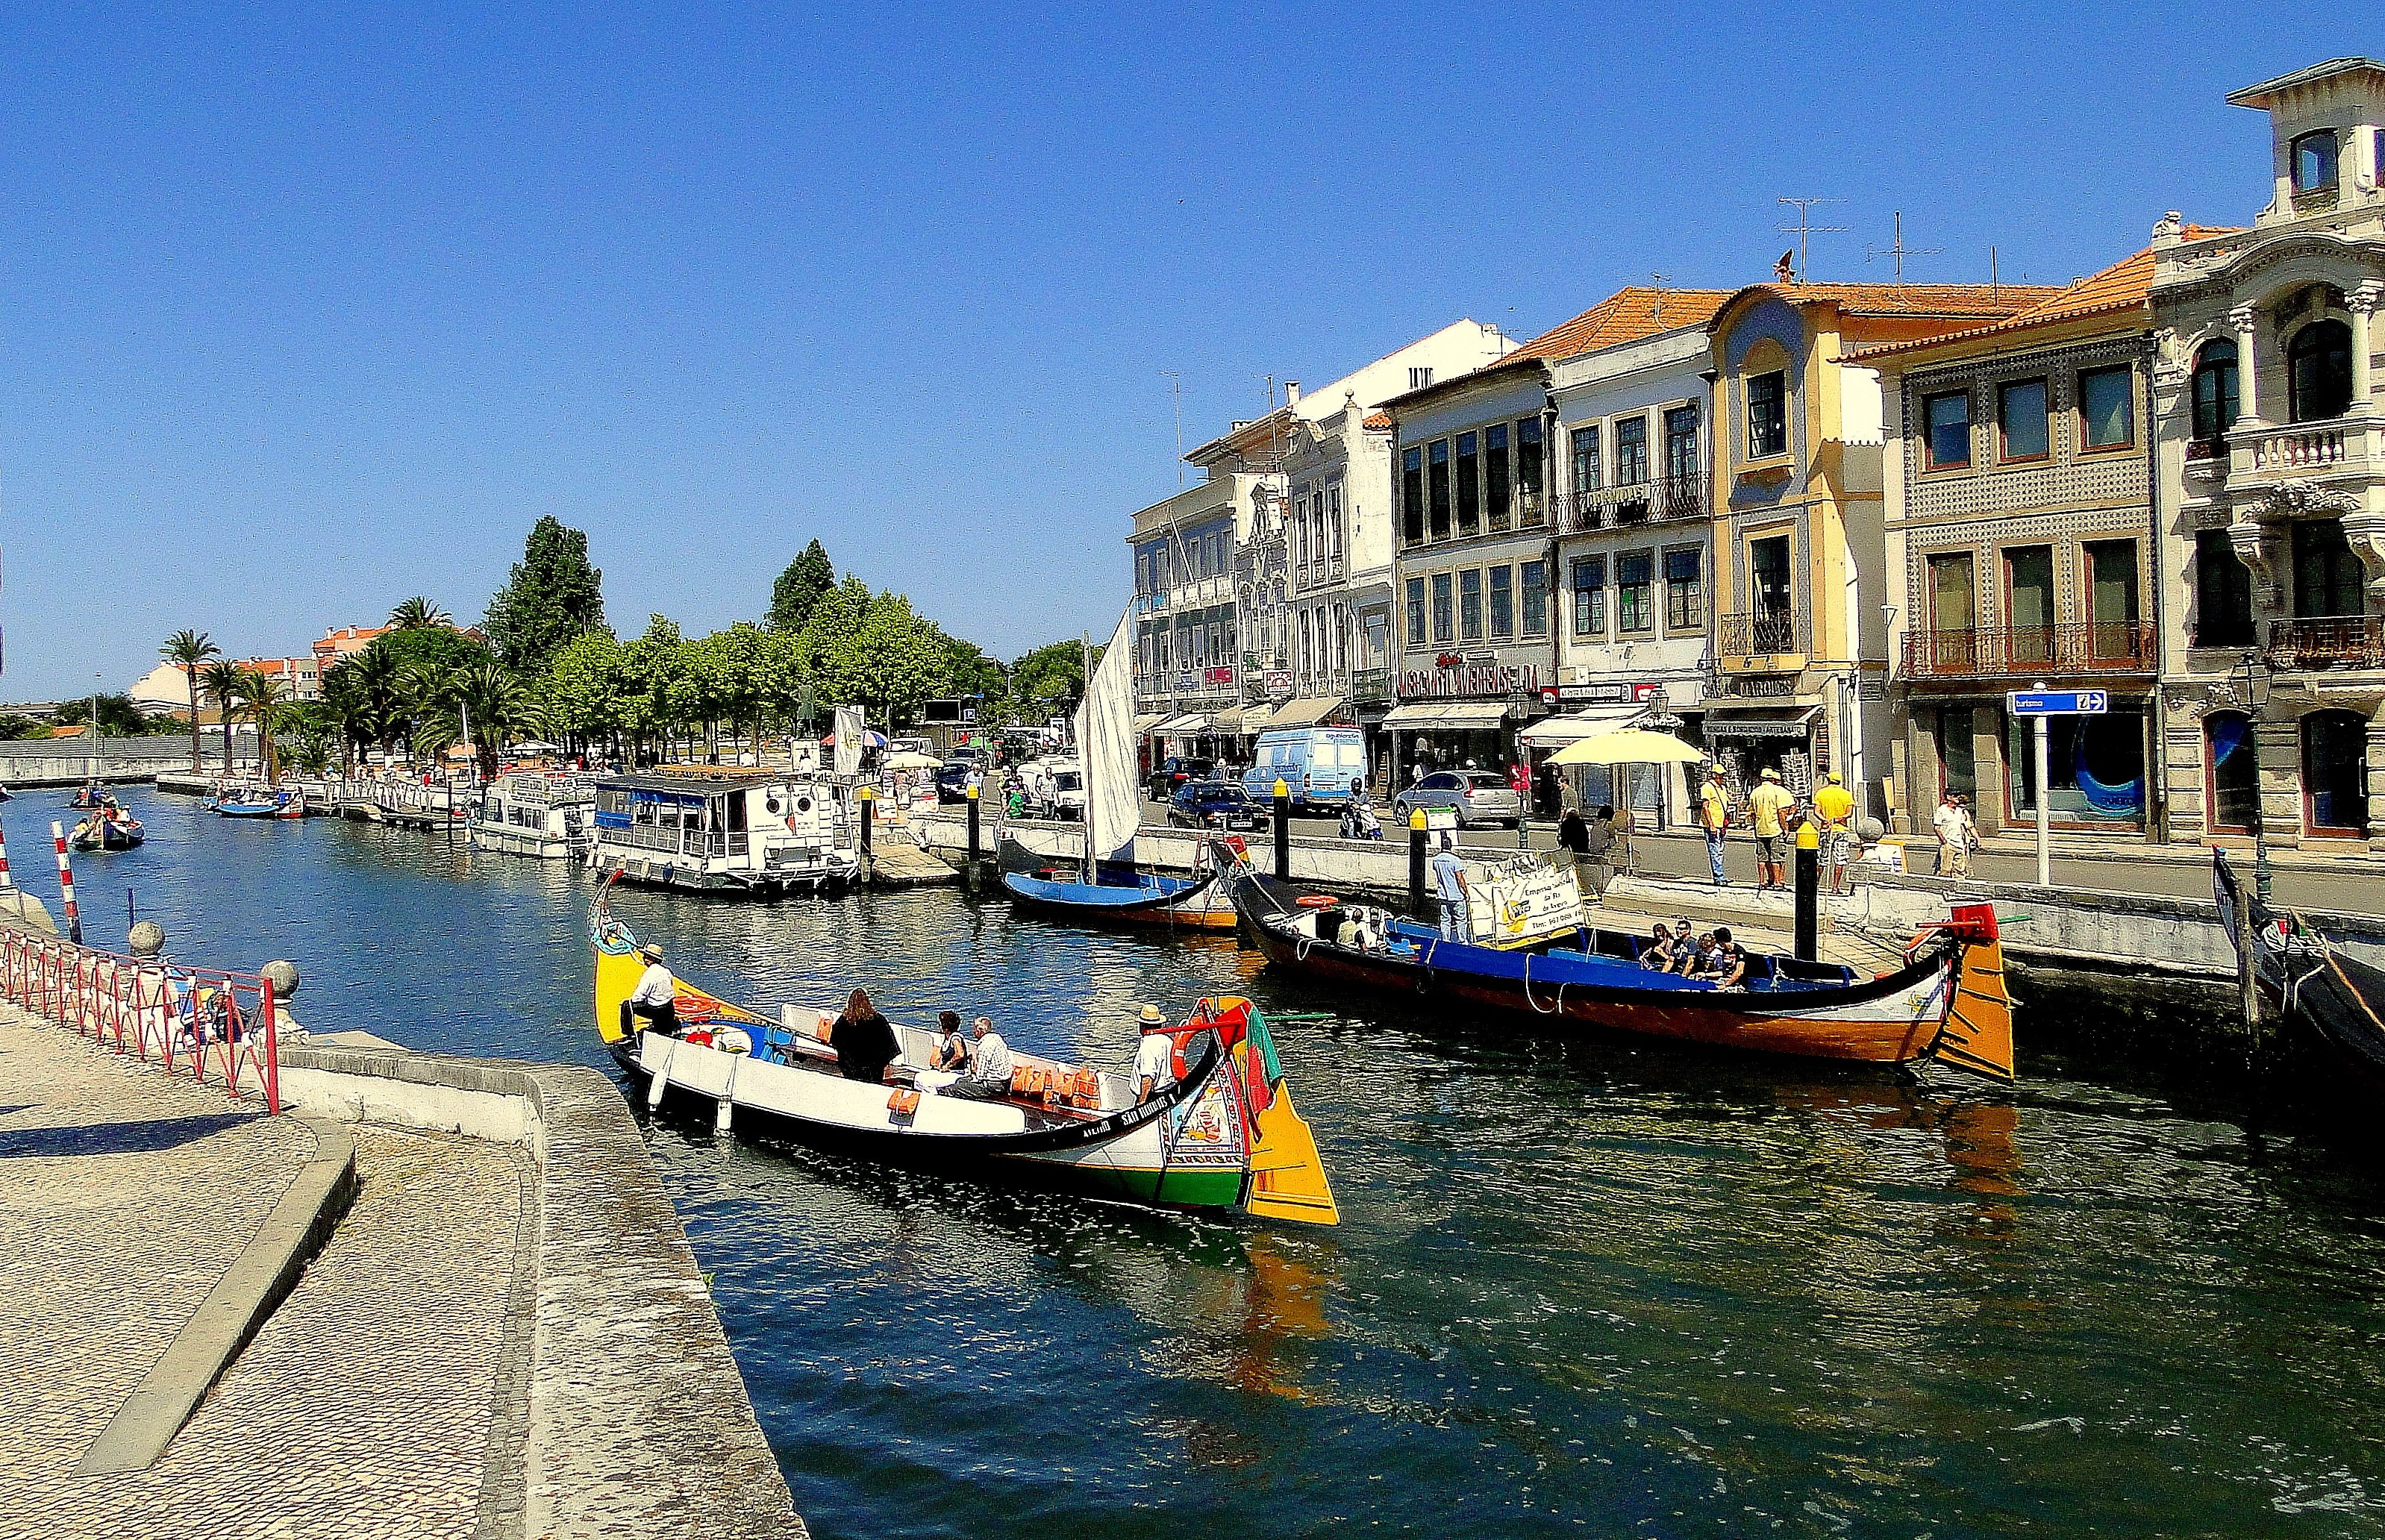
653	1001
989	1069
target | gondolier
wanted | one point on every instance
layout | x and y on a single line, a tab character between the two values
1155	1057
654	1002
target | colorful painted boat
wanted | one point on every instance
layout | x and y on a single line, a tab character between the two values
1946	1003
103	834
1224	1138
2307	977
1119	895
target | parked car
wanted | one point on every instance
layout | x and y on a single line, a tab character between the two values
1175	770
1316	765
1479	796
1215	805
952	780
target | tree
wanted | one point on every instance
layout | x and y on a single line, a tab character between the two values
1050	678
186	650
800	589
492	704
551	596
221	679
266	699
583	688
417	613
659	686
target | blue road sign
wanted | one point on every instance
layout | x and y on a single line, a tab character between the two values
2057	702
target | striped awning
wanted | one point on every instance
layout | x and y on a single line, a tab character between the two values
1189	724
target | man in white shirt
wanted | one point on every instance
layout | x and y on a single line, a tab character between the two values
652	1001
1954	836
1449	883
1155	1057
989	1069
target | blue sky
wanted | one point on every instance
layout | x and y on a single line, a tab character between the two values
303	314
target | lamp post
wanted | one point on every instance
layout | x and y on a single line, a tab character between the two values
2253	685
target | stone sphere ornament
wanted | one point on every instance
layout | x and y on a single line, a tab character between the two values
283	977
147	939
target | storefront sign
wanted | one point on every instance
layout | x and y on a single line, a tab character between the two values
1604	692
1461	679
1278	683
1220	674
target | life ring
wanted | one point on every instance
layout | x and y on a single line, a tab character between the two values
1315	900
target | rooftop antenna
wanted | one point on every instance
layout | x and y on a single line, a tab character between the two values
1804	227
1993	284
1659	319
1898	250
1176	390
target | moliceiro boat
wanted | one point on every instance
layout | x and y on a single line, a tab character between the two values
743	831
101	832
1946	1001
1224	1138
258	801
540	813
2305	976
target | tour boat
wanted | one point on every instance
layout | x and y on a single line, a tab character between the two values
2306	976
542	814
762	832
106	833
1225	1138
1946	1001
255	803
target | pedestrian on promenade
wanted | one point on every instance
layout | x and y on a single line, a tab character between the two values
1449	883
864	1040
654	1002
1767	805
1834	805
1956	834
1573	844
1599	852
1713	816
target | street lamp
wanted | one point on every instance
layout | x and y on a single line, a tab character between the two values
2253	683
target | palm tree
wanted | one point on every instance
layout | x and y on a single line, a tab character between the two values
186	650
221	679
378	680
417	613
267	699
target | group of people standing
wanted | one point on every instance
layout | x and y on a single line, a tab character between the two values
1774	816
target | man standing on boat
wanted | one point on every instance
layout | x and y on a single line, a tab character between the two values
1449	882
1713	816
1155	1057
654	1001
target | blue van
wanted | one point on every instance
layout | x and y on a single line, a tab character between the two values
1316	764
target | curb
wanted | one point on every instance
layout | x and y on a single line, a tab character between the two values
259	1279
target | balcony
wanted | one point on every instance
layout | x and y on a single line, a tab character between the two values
2337	641
1767	642
2302	450
2030	652
1662	500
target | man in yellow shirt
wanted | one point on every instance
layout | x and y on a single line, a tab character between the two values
1713	816
1767	805
1834	807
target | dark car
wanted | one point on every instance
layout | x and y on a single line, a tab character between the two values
1175	770
1215	805
952	779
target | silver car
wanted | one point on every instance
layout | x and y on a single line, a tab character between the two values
1479	796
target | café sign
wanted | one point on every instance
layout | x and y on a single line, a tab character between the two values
1455	678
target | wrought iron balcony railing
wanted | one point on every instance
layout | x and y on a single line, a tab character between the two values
2337	641
1672	497
1984	652
1747	636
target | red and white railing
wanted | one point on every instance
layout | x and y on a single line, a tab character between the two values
214	1026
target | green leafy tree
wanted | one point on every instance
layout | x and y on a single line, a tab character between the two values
1051	680
417	613
583	689
491	705
661	691
551	596
15	725
188	650
221	679
799	589
265	699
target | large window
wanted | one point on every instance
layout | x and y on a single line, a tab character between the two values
1334	516
2107	418
1768	571
2335	773
1630	451
1767	415
2223	592
1948	416
1536	599
1470	604
2313	155
1437	465
2318	372
1632	581
1496	495
1444	630
2112	601
2020	420
1469	486
1590	596
1681	443
2095	766
1685	596
1585	459
2028	604
1959	762
2215	391
1503	602
2327	575
1415	612
2235	776
1528	467
1412	495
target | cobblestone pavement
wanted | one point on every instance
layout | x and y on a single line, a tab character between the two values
366	1405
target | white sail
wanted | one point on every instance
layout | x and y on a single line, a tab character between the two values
1106	743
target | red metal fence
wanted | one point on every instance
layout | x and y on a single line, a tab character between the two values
213	1026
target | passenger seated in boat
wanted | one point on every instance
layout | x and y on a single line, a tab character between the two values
864	1040
1155	1057
1352	931
1730	965
654	1001
951	1051
989	1066
1656	952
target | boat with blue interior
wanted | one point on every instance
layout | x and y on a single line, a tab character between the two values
748	830
237	800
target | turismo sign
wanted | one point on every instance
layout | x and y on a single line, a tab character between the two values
2057	702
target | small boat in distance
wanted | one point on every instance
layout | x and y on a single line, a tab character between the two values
2306	976
100	832
1225	1138
90	796
1122	895
255	801
546	815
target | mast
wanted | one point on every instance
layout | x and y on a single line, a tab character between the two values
1085	754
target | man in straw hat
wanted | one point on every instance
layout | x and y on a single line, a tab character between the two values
1768	807
1155	1056
653	1001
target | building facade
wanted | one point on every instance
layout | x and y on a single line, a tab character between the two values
2271	471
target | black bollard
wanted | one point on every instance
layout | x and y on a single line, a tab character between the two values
1415	861
1282	831
869	799
1809	883
975	847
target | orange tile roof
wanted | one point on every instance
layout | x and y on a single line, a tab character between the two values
1988	302
2122	285
1627	316
1377	420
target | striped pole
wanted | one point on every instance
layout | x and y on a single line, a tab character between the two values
5	880
65	884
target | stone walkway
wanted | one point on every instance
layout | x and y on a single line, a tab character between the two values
377	1399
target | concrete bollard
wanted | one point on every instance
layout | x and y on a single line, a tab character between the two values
1282	831
1415	861
282	975
867	798
1809	882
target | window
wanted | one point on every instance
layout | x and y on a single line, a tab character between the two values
2215	391
1631	581
2223	592
1768	566
2112	634
1767	415
1590	596
2106	407
1307	652
1443	627
2313	157
1503	602
2234	767
1536	599
2020	419
1496	492
2095	766
2327	576
1585	459
1948	418
1681	443
1630	451
1437	458
2028	604
1470	604
2318	372
1415	610
1954	602
1469	486
1527	463
1685	603
1412	495
1334	518
2335	773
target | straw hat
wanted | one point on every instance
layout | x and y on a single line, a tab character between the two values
651	952
1151	1020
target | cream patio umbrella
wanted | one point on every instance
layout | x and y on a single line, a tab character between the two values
910	759
1628	745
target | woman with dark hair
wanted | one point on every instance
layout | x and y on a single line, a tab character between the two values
864	1040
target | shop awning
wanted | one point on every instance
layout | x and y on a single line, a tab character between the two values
1230	720
1460	715
1761	724
1148	721
1556	732
1191	723
1306	711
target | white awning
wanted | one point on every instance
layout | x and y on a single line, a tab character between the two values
1306	711
1149	720
1190	725
1556	732
1467	716
1230	720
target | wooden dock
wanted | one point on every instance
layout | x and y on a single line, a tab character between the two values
897	863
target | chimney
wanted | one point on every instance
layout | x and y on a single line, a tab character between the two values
1292	392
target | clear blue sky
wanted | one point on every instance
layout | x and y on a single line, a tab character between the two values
301	316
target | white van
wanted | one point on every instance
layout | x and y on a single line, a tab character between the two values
1318	764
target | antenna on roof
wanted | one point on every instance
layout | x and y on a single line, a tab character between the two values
1176	389
1899	250
1659	319
1805	227
1994	286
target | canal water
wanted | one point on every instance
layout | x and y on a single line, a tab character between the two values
1578	1288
